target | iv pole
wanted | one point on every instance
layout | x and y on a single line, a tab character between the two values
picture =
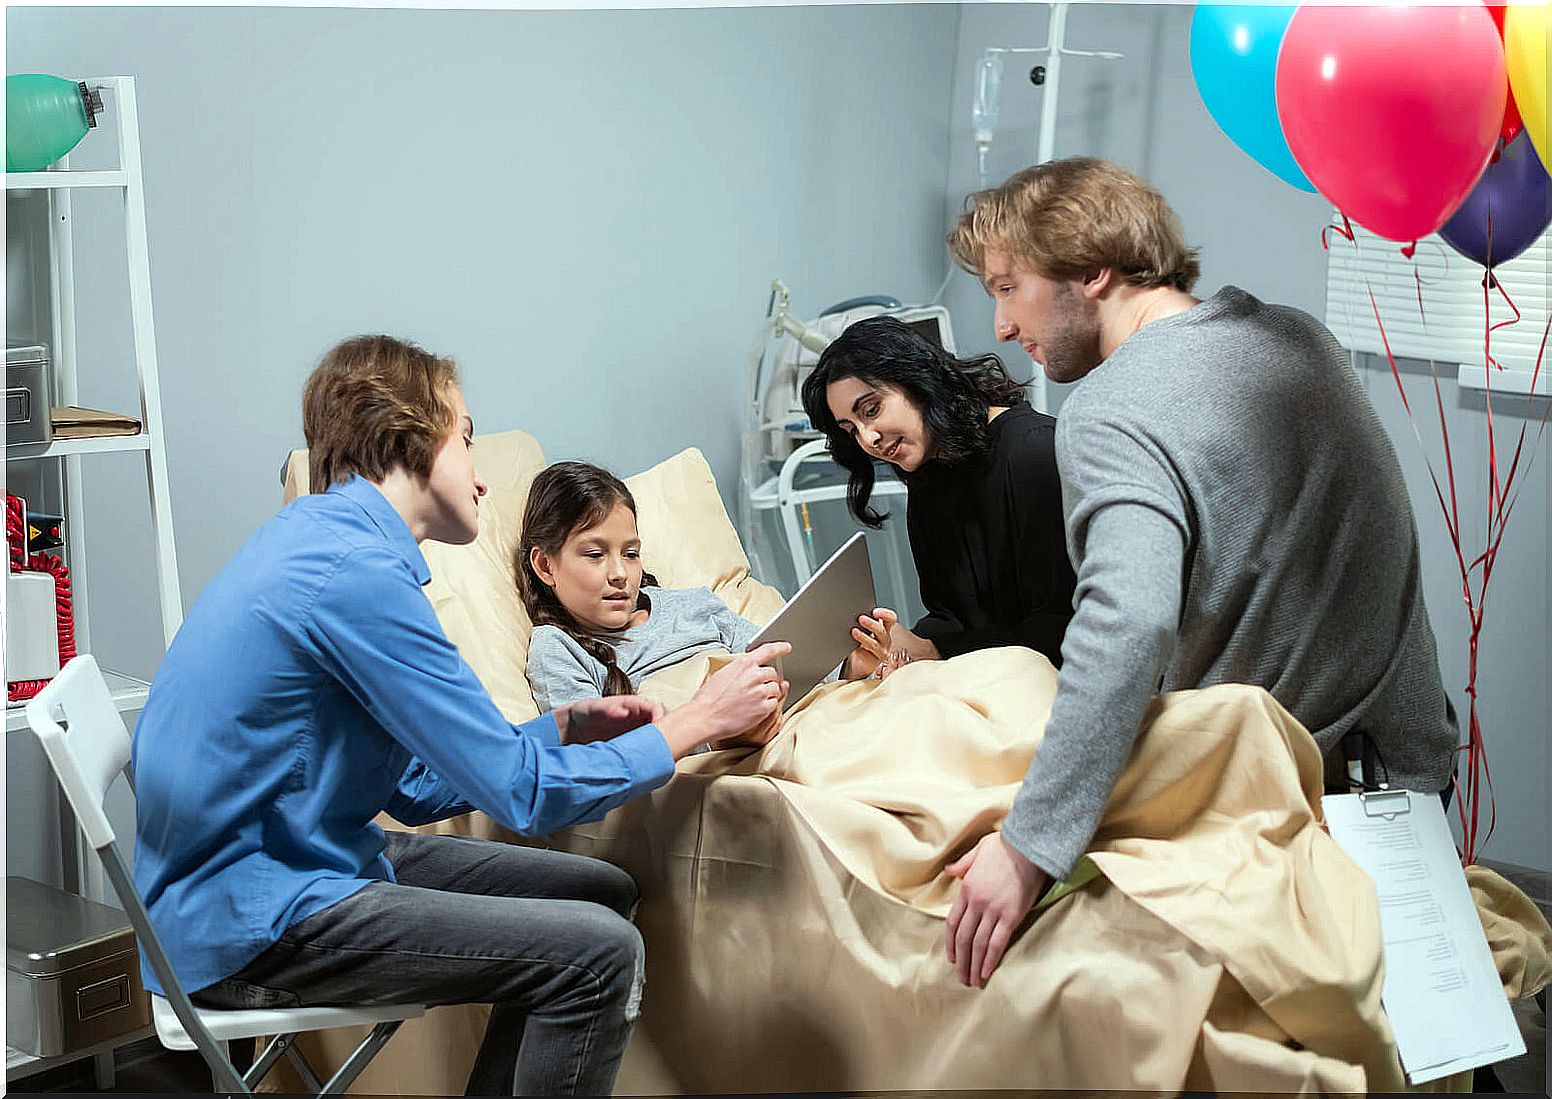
1055	49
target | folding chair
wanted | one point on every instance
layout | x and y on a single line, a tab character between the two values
84	737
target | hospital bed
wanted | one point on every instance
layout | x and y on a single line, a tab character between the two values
793	898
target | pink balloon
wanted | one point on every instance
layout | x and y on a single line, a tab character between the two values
1392	111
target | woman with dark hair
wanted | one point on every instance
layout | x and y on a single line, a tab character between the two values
984	503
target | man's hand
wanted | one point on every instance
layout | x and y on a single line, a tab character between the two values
729	704
1000	886
590	719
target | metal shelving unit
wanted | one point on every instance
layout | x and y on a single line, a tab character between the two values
19	1064
64	457
105	444
128	692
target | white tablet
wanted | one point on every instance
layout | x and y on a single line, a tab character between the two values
818	620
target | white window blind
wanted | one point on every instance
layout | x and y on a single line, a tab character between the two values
1449	327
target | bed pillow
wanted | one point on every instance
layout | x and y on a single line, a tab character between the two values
689	540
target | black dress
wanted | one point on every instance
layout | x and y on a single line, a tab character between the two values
990	545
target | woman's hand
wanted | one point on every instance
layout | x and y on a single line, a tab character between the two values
590	719
731	703
872	633
912	645
897	659
885	646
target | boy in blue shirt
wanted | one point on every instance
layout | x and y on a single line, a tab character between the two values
312	687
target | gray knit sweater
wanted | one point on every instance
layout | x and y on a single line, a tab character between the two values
1236	514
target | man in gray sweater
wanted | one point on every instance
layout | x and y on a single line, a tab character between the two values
1235	514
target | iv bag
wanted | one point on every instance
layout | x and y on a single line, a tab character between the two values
988	88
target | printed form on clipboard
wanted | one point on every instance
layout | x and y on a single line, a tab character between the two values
1442	991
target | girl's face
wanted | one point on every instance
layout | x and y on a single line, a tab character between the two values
596	573
884	421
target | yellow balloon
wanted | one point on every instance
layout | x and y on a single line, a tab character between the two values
1527	40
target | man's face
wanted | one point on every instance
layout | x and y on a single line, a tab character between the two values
453	489
1056	324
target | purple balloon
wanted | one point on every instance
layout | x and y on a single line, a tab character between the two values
1515	195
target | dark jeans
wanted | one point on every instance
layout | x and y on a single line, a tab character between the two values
544	937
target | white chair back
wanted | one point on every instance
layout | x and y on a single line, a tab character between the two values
84	737
85	740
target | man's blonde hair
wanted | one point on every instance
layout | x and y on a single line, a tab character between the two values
1067	219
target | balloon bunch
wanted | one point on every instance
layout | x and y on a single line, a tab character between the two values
1394	112
1410	120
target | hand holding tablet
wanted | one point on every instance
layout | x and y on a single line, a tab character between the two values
818	620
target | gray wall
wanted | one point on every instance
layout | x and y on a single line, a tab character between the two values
1143	112
1257	232
585	208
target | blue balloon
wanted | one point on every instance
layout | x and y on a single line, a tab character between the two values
1234	59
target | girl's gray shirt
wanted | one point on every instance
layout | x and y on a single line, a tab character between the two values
684	622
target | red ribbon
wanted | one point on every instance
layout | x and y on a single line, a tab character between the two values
1501	498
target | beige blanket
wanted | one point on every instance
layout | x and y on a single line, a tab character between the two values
794	903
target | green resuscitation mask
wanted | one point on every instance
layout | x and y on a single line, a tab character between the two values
45	117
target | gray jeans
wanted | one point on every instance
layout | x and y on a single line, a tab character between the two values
544	937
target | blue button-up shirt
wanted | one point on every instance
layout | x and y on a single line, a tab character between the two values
310	688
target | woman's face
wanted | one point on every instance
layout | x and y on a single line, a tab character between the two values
596	574
885	422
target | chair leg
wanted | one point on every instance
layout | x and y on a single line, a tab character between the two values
278	1045
304	1069
224	1079
360	1058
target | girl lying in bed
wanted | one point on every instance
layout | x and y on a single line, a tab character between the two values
601	623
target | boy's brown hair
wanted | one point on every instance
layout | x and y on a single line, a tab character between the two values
1067	219
372	404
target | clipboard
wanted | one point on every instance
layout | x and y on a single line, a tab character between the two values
1442	990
